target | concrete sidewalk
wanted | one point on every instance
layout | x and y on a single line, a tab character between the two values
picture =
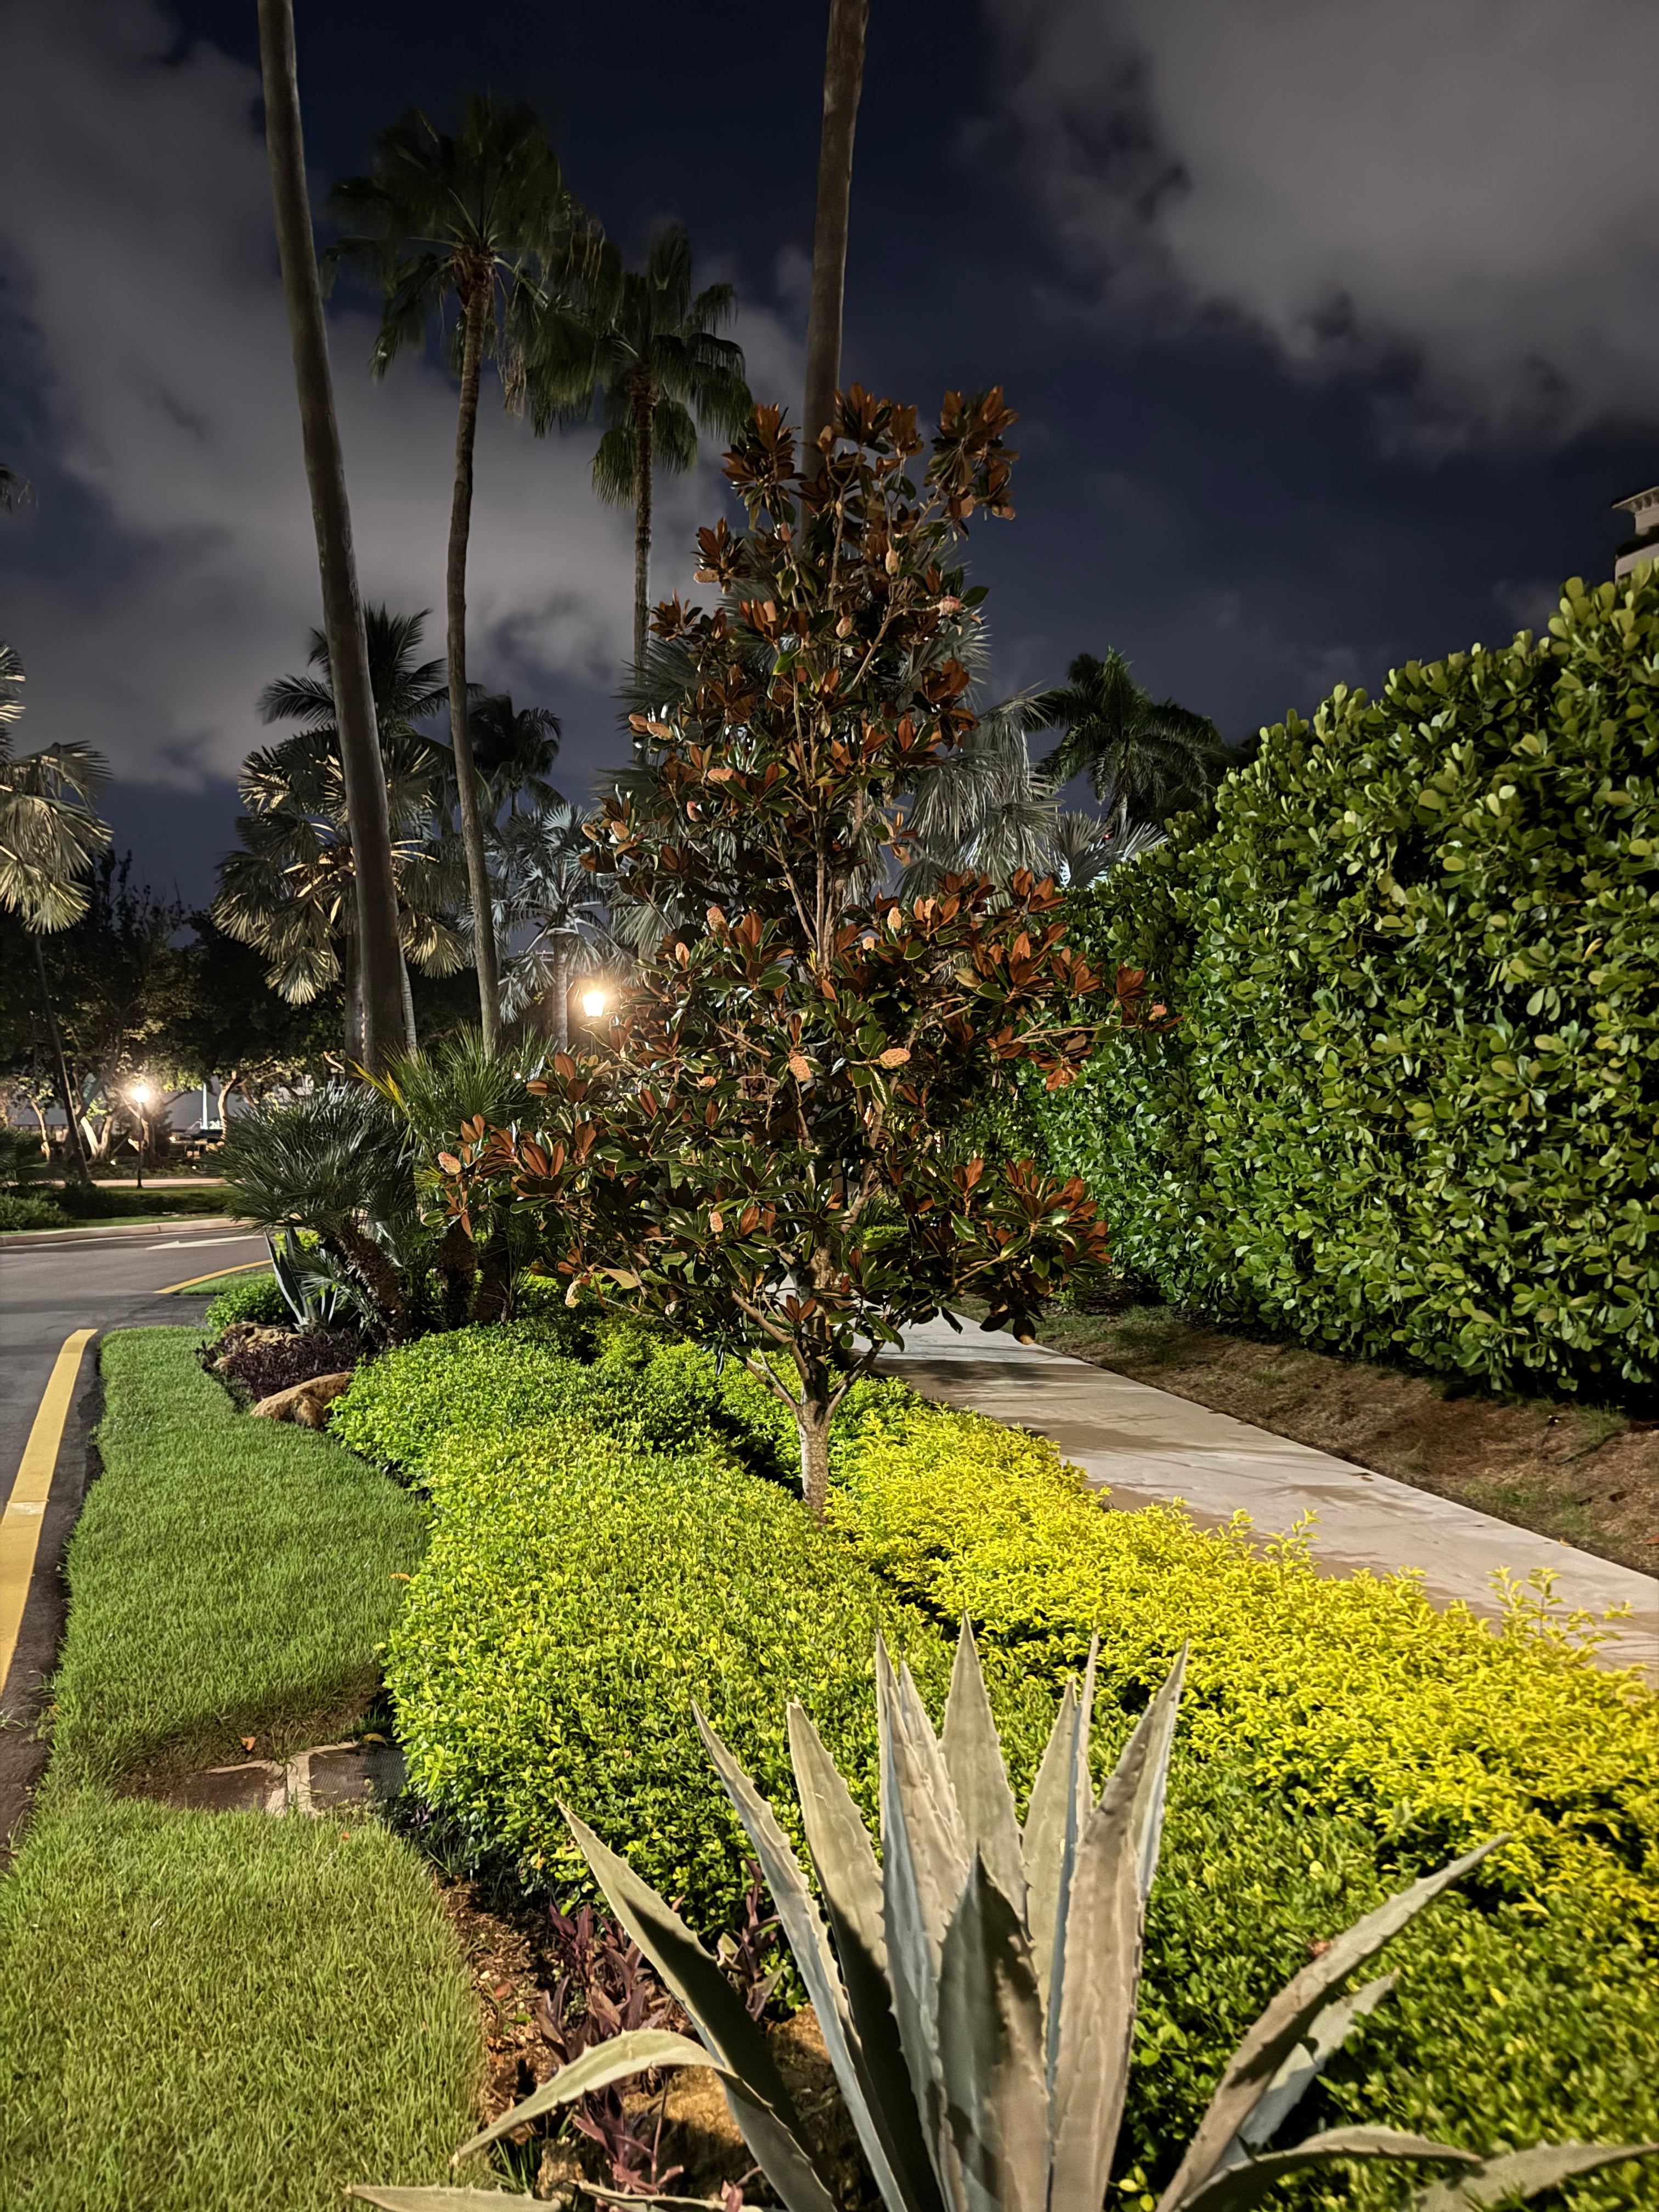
1148	1446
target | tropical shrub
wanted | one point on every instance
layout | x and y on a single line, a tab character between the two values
1410	1105
579	1594
17	1212
979	2009
255	1298
576	1598
1353	1695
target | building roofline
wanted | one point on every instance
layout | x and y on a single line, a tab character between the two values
1636	499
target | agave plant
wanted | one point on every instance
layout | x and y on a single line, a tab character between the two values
976	1988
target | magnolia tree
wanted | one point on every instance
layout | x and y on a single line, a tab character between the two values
771	1152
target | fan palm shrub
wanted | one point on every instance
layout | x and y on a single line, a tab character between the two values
976	1988
481	222
339	1163
432	1094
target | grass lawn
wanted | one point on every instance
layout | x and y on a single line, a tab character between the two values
222	2012
228	1577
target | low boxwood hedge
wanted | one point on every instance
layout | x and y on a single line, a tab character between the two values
1354	1695
577	1596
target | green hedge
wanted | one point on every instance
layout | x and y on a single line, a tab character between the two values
577	1595
1411	1104
1353	1695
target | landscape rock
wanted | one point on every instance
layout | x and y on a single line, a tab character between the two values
308	1403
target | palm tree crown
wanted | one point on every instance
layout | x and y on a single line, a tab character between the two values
1146	758
481	218
49	834
653	355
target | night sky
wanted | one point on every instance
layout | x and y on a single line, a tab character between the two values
1334	331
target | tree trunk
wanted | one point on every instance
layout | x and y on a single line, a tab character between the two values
408	1008
74	1151
457	1264
562	998
843	81
813	1417
467	782
364	770
644	412
356	1046
495	1298
377	1275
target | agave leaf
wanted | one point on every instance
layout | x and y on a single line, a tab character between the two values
973	1757
915	1873
1252	2067
754	2088
441	2199
990	2037
1044	1843
1096	1960
1520	2175
598	2066
1329	2029
803	1928
1246	2185
850	1881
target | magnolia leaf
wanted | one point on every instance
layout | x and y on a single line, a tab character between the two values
439	2199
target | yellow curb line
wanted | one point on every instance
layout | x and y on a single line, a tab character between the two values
242	1267
26	1509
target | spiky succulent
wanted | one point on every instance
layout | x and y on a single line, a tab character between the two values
976	1988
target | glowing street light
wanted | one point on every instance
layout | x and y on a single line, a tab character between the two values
593	1003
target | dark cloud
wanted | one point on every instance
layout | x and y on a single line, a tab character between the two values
1464	190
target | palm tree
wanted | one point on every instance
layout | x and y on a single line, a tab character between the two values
661	372
481	220
289	890
384	984
986	810
546	892
49	837
15	490
843	81
513	748
1146	758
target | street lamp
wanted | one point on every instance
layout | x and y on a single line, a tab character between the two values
593	1003
139	1095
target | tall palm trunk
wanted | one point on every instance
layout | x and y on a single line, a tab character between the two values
363	770
352	975
645	408
75	1150
466	782
843	81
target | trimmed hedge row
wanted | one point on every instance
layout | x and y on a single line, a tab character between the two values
1354	1695
1412	1102
576	1598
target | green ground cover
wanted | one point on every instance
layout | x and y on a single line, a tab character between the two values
220	2012
580	1591
72	1207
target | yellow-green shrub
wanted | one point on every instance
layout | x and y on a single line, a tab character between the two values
1353	1695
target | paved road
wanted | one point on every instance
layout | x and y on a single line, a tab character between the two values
1148	1446
50	1287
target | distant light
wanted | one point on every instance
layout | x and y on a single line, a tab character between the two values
140	1094
593	1003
